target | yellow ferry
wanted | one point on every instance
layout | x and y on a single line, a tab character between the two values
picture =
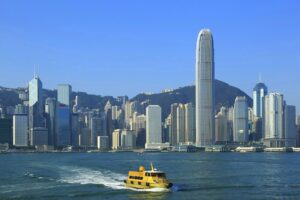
147	179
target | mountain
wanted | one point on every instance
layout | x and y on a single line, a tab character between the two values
225	96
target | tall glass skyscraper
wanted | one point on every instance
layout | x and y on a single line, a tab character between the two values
36	103
205	89
63	115
259	92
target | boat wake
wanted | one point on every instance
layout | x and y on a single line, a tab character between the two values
86	176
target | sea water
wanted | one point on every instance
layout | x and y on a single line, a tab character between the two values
194	175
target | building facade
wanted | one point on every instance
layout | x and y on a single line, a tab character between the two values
20	130
240	120
153	124
205	89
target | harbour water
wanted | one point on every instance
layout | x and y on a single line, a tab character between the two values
195	175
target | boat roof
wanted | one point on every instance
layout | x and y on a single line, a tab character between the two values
154	171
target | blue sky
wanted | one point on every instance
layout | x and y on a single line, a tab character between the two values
126	47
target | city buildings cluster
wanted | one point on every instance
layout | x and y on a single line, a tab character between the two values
63	123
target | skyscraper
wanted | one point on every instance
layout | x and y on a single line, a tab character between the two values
20	130
189	123
221	126
180	124
240	120
36	103
205	90
63	115
274	130
153	124
50	110
259	92
173	139
290	125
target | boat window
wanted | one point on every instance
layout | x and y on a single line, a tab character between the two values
161	175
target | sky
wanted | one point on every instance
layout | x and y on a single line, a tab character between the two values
118	47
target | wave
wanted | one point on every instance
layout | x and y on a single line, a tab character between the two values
84	176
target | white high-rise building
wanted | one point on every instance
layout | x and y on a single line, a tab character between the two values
205	89
189	123
180	124
20	130
153	124
240	120
274	116
36	103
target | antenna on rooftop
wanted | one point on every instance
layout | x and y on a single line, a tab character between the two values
38	70
34	74
260	77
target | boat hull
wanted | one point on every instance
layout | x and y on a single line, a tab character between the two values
145	185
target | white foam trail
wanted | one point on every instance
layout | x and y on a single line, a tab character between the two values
88	176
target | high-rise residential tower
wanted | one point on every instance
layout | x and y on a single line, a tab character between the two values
205	89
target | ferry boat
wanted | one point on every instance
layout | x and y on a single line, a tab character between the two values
147	179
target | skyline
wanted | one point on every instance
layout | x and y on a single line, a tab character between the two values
86	45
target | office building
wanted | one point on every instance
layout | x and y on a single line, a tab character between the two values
50	110
259	92
38	136
6	131
290	125
36	109
20	130
116	139
128	139
63	115
274	129
205	89
180	124
153	125
221	126
190	130
102	143
240	120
